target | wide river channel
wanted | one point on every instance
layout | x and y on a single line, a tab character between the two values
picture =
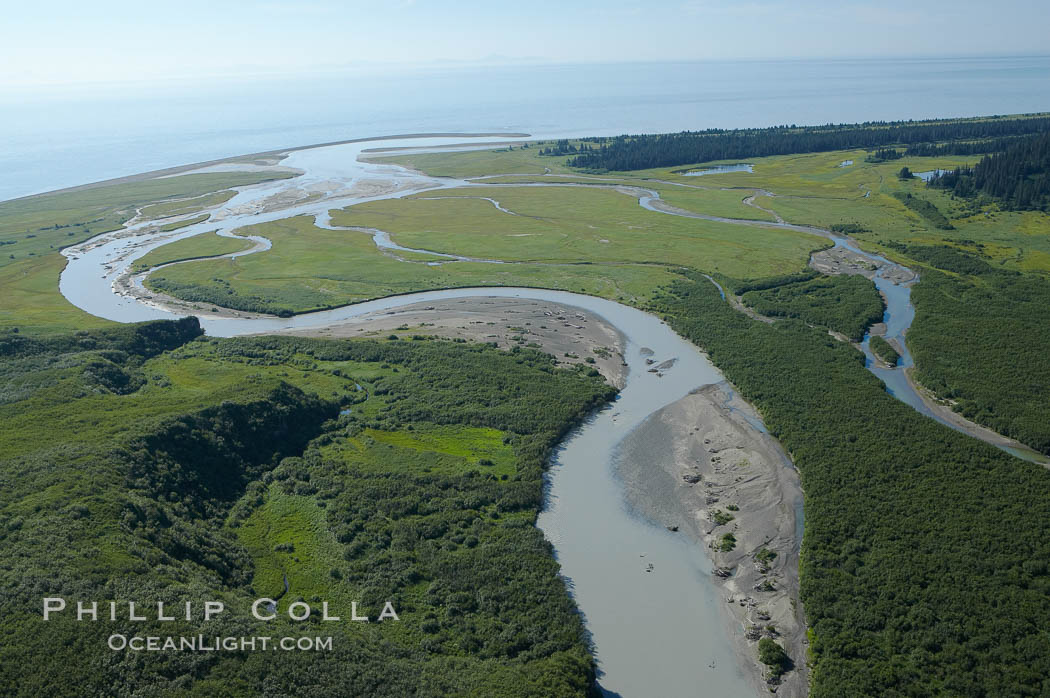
659	632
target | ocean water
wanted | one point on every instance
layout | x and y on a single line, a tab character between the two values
55	138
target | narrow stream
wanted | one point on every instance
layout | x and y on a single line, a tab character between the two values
898	316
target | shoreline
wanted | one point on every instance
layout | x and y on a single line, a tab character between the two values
278	153
698	456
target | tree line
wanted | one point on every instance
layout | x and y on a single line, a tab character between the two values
668	150
1018	177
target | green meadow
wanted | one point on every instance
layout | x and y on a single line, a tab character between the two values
197	246
309	268
574	224
478	163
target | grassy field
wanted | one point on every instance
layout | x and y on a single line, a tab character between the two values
310	268
479	163
288	537
198	246
813	190
727	203
32	302
436	449
810	189
572	224
582	239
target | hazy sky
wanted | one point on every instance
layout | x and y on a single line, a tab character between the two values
112	40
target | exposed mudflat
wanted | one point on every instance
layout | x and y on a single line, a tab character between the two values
571	335
684	467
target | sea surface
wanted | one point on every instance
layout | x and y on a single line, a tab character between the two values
60	137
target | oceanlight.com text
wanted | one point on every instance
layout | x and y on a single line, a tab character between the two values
203	643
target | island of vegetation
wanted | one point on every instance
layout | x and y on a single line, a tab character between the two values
884	350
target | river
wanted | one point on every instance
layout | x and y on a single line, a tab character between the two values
658	632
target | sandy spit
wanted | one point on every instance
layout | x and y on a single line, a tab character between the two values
721	460
262	157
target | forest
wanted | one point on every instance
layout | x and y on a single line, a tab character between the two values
689	147
180	468
925	554
1018	177
999	375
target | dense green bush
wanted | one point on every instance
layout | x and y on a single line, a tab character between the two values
773	656
981	343
884	350
924	208
846	304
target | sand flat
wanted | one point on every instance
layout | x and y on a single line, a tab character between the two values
701	455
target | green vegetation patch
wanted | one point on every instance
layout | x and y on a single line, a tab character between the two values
289	539
846	304
445	449
773	656
727	203
178	468
32	301
577	224
925	209
980	343
310	268
168	227
198	246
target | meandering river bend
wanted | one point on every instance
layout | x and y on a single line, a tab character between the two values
656	632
